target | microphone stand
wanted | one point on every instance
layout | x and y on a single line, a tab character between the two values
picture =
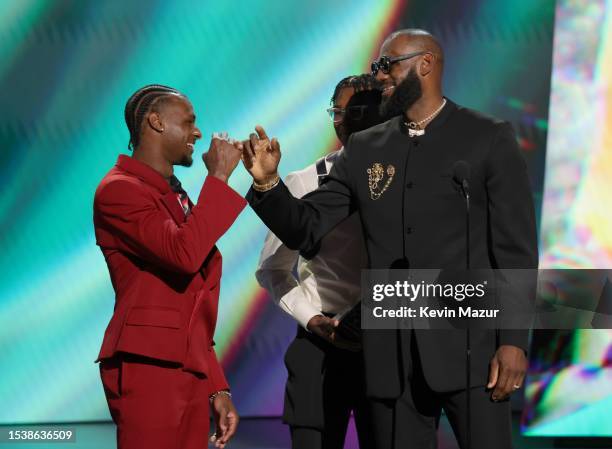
468	348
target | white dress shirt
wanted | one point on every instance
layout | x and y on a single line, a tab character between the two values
330	282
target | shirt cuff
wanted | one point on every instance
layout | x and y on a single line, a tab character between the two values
300	308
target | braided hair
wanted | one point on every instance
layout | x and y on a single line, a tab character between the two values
358	82
144	100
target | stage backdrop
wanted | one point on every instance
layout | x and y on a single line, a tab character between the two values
66	70
570	381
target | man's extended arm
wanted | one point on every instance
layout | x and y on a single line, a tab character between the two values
141	228
298	223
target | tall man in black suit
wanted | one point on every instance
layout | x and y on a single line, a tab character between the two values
414	216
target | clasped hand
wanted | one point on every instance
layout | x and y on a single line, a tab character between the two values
260	155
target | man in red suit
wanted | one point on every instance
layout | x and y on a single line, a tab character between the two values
158	366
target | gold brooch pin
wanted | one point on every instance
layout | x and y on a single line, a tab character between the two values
375	175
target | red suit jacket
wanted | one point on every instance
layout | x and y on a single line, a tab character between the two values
164	266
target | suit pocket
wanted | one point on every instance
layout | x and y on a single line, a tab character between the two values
154	316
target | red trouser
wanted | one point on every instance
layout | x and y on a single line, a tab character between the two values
156	405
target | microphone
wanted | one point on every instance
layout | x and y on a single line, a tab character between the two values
461	175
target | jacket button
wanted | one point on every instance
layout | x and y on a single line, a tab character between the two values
409	230
409	185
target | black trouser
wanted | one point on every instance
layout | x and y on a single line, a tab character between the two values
411	422
324	385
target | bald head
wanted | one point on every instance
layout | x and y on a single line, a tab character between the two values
411	40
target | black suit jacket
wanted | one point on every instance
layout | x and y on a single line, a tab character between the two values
421	217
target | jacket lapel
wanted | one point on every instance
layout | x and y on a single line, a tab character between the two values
172	204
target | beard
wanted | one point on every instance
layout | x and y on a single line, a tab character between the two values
404	96
186	161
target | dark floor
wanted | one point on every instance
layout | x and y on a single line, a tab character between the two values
264	433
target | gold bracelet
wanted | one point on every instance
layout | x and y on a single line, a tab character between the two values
267	186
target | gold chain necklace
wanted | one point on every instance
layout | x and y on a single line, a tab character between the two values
376	175
414	128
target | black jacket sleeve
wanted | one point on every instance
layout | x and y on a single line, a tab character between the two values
512	225
301	223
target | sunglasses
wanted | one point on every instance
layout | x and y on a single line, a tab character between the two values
354	112
385	62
